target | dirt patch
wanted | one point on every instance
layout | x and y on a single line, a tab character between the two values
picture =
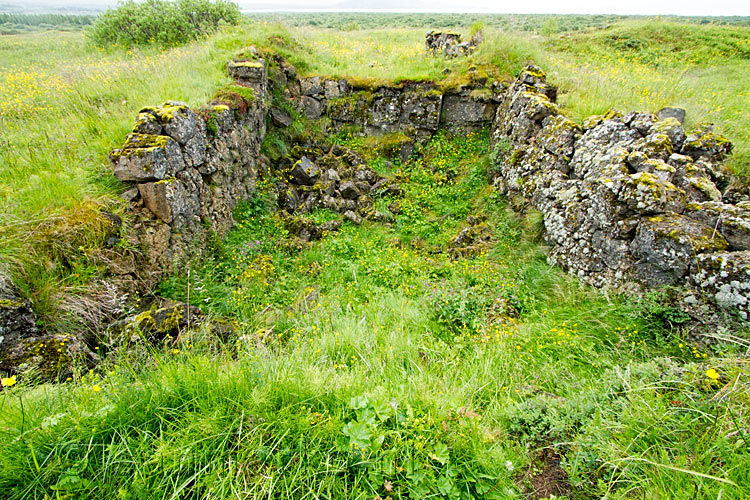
545	477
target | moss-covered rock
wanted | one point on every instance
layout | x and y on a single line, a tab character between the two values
251	70
596	120
705	143
161	322
730	221
146	157
647	193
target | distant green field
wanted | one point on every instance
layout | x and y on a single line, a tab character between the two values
14	24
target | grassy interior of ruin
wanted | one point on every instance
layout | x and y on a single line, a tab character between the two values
374	362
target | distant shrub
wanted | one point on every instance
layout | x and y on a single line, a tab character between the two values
162	22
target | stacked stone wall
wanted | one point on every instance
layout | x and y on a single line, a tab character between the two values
629	201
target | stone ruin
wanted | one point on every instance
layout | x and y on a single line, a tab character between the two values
449	44
629	201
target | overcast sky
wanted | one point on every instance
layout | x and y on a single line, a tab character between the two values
646	7
678	7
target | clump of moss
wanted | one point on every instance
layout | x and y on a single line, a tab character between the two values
165	113
236	96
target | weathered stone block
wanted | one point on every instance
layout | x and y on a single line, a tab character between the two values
465	113
250	70
305	172
421	110
675	113
311	107
280	118
349	190
666	245
146	158
730	221
311	86
160	196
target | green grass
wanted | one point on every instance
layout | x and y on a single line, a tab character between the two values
407	373
63	107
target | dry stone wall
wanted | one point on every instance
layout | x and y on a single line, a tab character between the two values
416	109
629	201
189	169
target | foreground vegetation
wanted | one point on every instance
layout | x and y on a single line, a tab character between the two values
374	364
377	362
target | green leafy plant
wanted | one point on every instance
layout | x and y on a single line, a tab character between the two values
161	22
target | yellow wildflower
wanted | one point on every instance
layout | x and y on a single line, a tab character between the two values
712	374
8	382
96	388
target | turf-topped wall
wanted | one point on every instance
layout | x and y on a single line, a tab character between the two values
189	169
629	201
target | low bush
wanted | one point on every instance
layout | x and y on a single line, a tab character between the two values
162	22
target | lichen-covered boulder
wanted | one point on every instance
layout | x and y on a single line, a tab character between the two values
311	86
164	321
349	190
312	107
665	246
725	278
17	321
170	198
559	135
335	88
24	347
421	110
730	221
179	121
704	143
52	356
385	112
673	129
280	118
646	193
305	172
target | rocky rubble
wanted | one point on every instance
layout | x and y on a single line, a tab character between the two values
26	348
629	201
449	44
337	179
